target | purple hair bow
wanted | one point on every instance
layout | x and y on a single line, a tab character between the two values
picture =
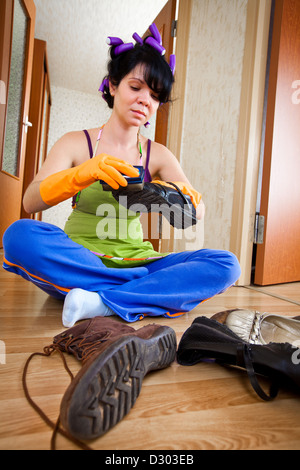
121	47
155	41
172	63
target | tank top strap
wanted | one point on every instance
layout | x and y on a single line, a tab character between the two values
88	138
75	198
147	172
148	178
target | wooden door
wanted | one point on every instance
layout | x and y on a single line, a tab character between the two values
39	114
164	22
17	23
278	257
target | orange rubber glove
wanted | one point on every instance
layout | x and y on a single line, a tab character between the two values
64	184
186	188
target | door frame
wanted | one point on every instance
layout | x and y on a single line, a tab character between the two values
184	15
39	115
250	135
153	223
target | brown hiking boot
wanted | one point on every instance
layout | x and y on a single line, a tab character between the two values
116	357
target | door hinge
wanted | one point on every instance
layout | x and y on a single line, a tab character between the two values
259	227
174	29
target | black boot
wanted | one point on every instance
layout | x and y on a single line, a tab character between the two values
209	339
175	206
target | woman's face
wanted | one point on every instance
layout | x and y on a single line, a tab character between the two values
134	101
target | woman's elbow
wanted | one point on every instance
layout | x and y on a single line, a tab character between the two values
27	204
32	201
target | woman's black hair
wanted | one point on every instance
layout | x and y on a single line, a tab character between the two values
157	72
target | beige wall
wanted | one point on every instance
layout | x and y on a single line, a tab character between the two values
211	112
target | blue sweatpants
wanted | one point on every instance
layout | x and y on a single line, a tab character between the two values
43	254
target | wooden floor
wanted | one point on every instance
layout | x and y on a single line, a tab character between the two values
205	406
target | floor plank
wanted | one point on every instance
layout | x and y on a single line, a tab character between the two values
205	406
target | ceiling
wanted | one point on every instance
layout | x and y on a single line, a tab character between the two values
76	32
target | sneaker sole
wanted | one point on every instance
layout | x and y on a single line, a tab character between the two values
105	391
149	201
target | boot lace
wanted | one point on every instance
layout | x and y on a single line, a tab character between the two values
83	349
81	346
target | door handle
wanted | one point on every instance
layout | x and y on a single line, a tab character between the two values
27	124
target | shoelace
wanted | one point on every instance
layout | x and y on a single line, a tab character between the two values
87	348
67	344
244	359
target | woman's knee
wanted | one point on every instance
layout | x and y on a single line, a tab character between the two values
231	266
23	237
16	235
224	263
